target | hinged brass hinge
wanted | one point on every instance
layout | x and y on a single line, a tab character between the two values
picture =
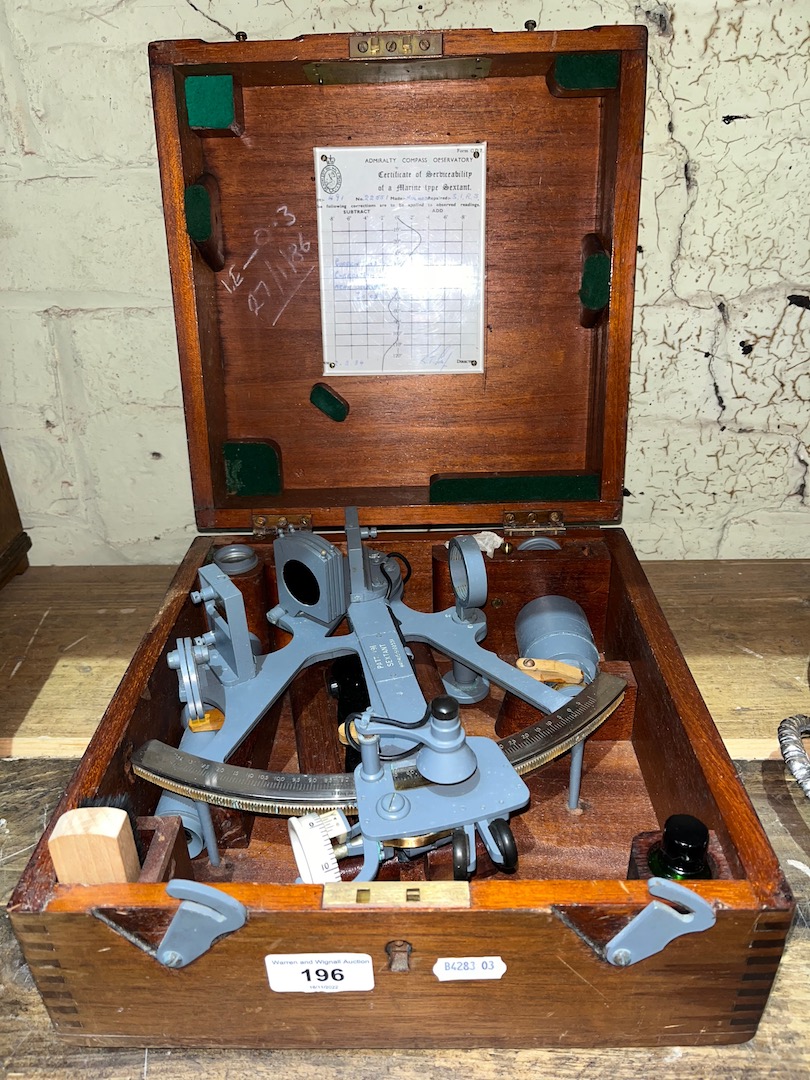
531	523
382	46
272	524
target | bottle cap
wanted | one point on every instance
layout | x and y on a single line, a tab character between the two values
684	843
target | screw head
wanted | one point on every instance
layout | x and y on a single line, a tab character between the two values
172	959
260	520
391	46
424	44
241	35
393	805
530	24
362	46
622	957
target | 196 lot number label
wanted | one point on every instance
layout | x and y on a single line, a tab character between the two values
319	973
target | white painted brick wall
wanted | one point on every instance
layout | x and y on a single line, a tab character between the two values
90	409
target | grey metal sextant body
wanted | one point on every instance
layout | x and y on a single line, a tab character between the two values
450	782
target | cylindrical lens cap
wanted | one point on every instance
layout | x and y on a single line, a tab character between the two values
444	707
685	842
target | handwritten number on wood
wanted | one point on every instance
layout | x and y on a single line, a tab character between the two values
253	298
236	280
287	268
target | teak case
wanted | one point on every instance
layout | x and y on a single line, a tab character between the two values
536	442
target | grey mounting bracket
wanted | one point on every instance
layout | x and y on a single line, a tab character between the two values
204	916
658	924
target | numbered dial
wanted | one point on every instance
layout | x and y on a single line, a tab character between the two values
311	839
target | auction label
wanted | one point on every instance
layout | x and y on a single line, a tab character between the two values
319	973
447	968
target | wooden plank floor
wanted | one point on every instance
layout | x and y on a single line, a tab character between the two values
66	635
744	628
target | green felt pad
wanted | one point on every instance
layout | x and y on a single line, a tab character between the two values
577	487
209	101
198	213
252	468
329	402
594	291
587	71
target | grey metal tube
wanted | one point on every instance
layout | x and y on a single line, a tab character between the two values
556	628
197	831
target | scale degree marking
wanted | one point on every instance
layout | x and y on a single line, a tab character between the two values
290	793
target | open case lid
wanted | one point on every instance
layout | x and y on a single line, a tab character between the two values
542	427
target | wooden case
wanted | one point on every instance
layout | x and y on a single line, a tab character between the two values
14	543
537	441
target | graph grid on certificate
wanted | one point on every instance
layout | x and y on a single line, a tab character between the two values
401	256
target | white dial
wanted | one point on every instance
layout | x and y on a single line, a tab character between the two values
311	839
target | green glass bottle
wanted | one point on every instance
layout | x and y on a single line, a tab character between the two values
681	853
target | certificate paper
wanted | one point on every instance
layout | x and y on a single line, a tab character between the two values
401	258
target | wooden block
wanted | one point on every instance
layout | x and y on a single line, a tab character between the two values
94	846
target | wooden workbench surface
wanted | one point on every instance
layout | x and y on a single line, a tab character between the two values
66	636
